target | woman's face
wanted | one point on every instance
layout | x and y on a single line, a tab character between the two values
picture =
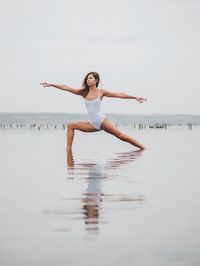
91	81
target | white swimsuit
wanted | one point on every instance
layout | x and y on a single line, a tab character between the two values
95	114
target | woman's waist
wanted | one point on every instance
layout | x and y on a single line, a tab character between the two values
94	116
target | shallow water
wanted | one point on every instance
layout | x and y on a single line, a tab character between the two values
114	205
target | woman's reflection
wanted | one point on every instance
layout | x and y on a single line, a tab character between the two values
95	174
93	196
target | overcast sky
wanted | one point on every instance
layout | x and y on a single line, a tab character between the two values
148	48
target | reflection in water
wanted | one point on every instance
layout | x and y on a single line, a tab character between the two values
93	196
96	205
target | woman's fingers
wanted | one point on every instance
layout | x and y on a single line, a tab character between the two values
44	84
141	100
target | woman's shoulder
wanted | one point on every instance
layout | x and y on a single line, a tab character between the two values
101	92
83	92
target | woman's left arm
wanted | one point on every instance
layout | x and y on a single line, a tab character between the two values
121	95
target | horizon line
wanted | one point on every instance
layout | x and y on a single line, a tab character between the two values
49	112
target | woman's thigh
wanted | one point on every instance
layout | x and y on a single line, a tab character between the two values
110	127
82	126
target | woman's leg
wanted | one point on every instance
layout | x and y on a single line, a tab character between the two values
82	126
112	129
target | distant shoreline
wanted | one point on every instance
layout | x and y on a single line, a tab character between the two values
126	114
46	120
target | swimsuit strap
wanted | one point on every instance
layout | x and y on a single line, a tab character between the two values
99	93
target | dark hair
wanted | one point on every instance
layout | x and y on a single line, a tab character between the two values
85	87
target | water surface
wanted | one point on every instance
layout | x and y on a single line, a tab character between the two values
114	205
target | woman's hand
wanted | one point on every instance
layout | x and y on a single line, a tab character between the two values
45	84
141	100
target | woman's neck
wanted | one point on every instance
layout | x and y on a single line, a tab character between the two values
92	88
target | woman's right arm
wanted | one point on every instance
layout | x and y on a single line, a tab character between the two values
62	87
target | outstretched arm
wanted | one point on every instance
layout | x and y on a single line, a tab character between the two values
122	95
62	87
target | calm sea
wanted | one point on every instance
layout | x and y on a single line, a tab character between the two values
113	206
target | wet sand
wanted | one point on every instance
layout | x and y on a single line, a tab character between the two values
114	206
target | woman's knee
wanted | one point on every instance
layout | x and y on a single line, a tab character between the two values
71	126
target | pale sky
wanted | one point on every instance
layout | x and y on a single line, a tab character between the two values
147	48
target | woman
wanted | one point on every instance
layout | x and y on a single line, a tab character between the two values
97	120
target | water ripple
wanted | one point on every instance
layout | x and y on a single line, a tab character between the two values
93	205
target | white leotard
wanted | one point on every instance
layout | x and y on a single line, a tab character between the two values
95	114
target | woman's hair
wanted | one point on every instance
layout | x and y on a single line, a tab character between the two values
85	87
